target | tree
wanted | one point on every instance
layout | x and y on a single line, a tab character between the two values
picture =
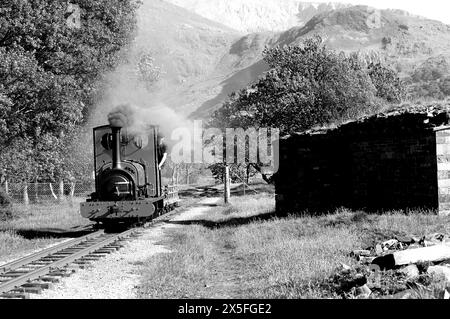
307	86
50	75
239	173
387	83
147	72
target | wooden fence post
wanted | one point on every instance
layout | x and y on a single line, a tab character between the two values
26	199
61	190
226	184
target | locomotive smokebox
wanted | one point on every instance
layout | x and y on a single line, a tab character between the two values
116	160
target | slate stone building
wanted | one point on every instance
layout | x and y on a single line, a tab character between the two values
397	160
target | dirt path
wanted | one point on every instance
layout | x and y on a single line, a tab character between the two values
116	275
227	282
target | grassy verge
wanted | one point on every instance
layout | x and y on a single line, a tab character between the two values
37	226
243	251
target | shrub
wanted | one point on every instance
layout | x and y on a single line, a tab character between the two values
5	206
5	200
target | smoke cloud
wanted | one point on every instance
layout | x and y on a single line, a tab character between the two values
127	102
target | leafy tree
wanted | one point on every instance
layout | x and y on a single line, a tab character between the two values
308	86
5	206
238	172
147	72
387	83
50	75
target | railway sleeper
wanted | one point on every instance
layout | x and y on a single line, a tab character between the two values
90	258
100	255
60	273
51	259
30	290
116	246
38	284
83	264
14	274
15	295
52	279
106	250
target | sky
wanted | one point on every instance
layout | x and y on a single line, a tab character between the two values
432	9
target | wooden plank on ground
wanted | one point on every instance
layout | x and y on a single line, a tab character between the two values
434	253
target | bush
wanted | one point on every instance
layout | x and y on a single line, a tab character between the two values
5	206
5	200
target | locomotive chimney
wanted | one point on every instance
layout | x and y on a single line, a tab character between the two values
116	161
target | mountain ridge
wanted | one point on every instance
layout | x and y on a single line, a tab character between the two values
204	61
252	16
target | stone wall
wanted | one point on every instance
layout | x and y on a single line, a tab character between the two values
385	163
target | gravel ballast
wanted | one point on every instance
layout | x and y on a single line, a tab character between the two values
116	275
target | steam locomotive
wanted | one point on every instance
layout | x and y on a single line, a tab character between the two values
128	184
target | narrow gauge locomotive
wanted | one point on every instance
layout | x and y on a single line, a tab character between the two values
127	178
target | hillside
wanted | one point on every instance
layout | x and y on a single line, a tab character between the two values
414	46
185	46
203	61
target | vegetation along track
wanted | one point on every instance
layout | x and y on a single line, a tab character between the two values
38	271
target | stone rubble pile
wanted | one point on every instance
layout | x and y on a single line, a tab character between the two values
401	267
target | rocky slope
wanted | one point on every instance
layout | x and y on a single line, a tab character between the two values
204	61
416	47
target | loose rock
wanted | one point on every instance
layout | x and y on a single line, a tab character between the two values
378	249
411	271
389	243
363	291
345	268
442	271
403	294
405	239
360	252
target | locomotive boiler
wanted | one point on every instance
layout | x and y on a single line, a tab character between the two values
128	184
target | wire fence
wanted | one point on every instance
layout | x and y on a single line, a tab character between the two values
35	193
57	192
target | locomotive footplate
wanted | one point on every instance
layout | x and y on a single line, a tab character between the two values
120	209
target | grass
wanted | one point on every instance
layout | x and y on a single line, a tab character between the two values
37	226
243	251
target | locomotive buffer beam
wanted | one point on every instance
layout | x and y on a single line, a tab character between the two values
121	209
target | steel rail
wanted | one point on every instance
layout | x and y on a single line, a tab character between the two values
45	252
46	269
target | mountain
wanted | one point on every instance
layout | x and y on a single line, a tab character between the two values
250	16
184	44
203	61
185	47
407	43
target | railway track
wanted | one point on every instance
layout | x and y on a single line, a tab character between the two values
38	271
